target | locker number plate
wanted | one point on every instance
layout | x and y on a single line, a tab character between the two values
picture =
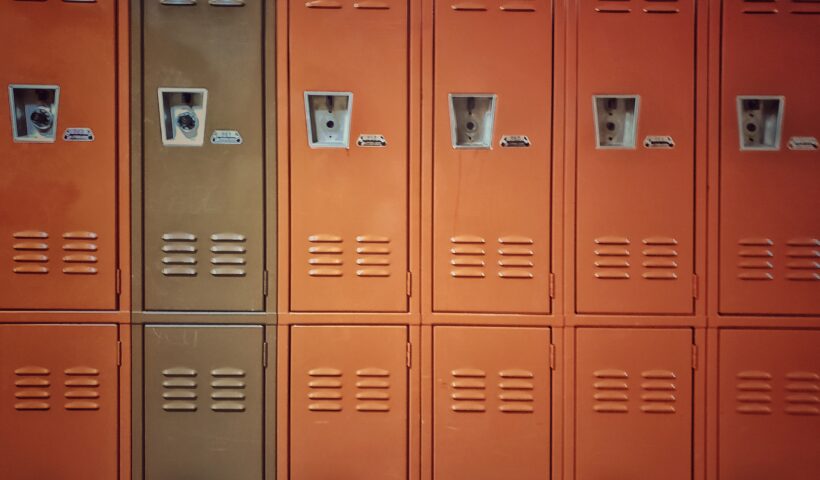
78	135
226	137
371	141
658	141
515	141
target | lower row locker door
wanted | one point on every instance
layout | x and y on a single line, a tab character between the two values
769	422
203	402
348	405
491	404
58	402
633	404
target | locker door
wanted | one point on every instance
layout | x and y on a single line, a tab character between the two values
203	140
348	193
635	160
634	404
58	402
203	402
769	405
491	201
348	403
769	197
58	137
491	404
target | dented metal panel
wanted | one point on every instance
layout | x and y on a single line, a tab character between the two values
59	402
58	138
769	395
492	156
633	399
491	403
349	154
348	402
202	190
635	157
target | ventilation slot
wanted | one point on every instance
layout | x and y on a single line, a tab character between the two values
612	6
612	258
755	259
469	7
80	256
468	390
516	391
803	261
228	255
325	390
179	389
803	393
179	254
373	256
82	388
326	255
467	257
227	389
517	7
753	393
611	391
516	257
30	252
658	391
659	258
32	388
661	9
373	390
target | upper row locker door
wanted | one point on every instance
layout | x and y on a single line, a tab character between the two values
492	156
59	402
203	150
58	195
348	155
635	157
769	158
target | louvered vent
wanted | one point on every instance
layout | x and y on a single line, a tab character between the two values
661	7
803	262
32	388
516	253
372	390
228	254
325	390
179	254
325	255
80	253
658	391
613	6
611	391
227	394
612	258
803	393
754	393
468	387
759	7
516	387
179	389
372	256
467	260
756	259
30	252
660	258
82	386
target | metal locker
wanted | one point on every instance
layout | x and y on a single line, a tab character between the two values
635	157
492	156
59	403
202	190
348	402
633	391
769	226
349	155
769	419
58	195
491	403
203	402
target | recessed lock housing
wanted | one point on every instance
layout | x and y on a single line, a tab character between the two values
760	119
328	119
34	112
182	116
471	120
616	120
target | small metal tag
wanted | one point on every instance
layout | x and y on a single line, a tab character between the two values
658	141
226	137
515	141
371	141
802	143
78	135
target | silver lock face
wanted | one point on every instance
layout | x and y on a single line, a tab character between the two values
182	114
34	112
472	118
328	119
616	120
759	121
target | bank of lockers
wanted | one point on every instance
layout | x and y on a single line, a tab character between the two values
58	231
59	402
201	195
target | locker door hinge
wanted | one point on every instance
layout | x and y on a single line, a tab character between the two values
265	283
408	355
695	286
694	357
552	356
119	353
118	281
264	354
552	285
409	284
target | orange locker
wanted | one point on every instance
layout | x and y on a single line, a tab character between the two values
58	194
349	155
348	402
491	409
492	156
59	402
633	404
769	159
635	157
769	419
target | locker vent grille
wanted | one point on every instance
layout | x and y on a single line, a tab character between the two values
372	390
32	388
82	388
227	389
803	262
754	392
80	253
659	258
759	7
658	390
516	253
179	389
30	252
516	387
803	393
468	254
373	256
179	254
757	255
468	390
515	257
325	255
228	257
611	391
612	262
657	387
325	390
